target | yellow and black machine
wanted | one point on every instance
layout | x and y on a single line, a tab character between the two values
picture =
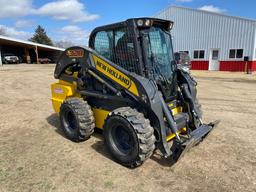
128	84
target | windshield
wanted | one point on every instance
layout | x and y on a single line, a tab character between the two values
160	53
157	45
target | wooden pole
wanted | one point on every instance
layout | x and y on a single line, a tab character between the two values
36	50
1	63
27	56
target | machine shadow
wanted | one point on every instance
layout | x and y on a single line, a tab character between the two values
99	146
54	121
166	162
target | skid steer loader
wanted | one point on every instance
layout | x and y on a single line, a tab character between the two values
128	84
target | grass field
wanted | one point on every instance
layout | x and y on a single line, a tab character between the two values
34	155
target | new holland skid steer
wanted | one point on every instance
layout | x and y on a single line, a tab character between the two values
128	84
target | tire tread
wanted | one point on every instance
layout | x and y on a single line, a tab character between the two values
84	116
143	130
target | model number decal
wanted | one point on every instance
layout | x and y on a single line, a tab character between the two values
58	91
75	53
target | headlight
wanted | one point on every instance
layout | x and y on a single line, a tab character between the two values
144	22
140	22
147	22
171	25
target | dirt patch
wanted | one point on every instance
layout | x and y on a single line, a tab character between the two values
34	155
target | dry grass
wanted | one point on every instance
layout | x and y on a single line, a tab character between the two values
34	156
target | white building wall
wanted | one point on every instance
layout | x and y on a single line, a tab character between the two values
254	47
202	30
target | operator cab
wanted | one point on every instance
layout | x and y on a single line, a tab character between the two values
142	46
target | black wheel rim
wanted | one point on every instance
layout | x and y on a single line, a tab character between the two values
123	139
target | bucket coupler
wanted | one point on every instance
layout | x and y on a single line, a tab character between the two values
178	148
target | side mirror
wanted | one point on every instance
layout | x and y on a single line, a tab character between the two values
177	57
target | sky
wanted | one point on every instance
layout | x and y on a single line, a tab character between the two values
73	20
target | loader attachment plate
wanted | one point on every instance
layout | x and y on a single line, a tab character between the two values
196	136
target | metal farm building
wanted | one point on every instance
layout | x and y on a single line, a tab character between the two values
28	52
213	41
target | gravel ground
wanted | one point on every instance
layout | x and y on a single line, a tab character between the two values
34	155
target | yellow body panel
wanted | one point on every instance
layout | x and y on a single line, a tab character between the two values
172	135
60	92
115	75
100	115
176	110
63	90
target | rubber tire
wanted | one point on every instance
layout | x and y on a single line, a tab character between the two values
83	119
199	106
139	128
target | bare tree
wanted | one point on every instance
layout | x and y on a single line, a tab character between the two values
3	31
64	44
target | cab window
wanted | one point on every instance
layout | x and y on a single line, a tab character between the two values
124	54
102	43
117	45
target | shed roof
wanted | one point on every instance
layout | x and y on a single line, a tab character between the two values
206	12
28	43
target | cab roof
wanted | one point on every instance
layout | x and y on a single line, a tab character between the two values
166	24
